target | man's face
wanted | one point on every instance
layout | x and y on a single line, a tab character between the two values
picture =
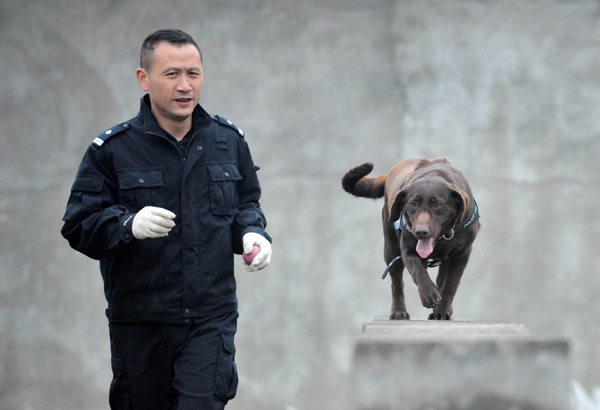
174	81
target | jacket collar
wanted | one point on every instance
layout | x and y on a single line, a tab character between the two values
200	118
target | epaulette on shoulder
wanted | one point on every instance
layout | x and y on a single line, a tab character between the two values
229	124
101	139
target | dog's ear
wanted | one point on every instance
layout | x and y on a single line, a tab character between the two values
395	208
461	199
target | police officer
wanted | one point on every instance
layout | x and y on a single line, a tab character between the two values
164	200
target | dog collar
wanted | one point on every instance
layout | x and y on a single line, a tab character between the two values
401	225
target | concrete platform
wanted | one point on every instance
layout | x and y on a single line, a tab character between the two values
452	365
422	327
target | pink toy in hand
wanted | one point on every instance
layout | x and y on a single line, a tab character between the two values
248	257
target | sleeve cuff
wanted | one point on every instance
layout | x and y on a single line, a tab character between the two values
237	244
127	228
259	231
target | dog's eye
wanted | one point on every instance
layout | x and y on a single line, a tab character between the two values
437	205
413	204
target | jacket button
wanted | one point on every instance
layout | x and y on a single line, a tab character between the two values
187	319
226	174
187	311
199	147
141	181
125	125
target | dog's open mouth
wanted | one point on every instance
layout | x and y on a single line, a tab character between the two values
425	247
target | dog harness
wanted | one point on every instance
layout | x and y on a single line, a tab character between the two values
402	226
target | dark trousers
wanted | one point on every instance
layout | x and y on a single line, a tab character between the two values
160	366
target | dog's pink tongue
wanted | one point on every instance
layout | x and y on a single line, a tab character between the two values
425	247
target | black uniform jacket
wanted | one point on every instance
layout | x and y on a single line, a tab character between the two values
211	186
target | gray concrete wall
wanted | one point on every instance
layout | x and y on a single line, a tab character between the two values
509	91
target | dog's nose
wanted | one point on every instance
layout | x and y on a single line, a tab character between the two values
421	232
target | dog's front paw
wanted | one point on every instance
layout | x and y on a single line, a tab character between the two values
400	315
430	297
440	316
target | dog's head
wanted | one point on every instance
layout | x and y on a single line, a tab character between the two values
431	207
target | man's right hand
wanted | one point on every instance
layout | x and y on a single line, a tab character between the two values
152	222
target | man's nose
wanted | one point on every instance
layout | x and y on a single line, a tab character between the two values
183	84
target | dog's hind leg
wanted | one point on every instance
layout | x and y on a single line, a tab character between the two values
440	282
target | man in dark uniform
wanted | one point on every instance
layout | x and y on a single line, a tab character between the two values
164	200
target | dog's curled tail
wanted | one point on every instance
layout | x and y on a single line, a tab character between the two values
356	183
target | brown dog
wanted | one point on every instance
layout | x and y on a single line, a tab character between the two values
429	217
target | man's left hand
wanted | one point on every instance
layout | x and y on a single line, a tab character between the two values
263	258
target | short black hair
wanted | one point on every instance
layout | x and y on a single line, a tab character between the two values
171	36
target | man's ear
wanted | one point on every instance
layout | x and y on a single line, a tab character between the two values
142	77
396	206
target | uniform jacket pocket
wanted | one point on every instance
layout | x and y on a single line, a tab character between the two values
119	392
140	189
223	188
226	381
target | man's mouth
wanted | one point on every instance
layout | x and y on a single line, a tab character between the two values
183	100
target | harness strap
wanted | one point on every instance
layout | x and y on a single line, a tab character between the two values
431	263
470	221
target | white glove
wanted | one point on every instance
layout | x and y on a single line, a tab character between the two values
152	222
263	258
